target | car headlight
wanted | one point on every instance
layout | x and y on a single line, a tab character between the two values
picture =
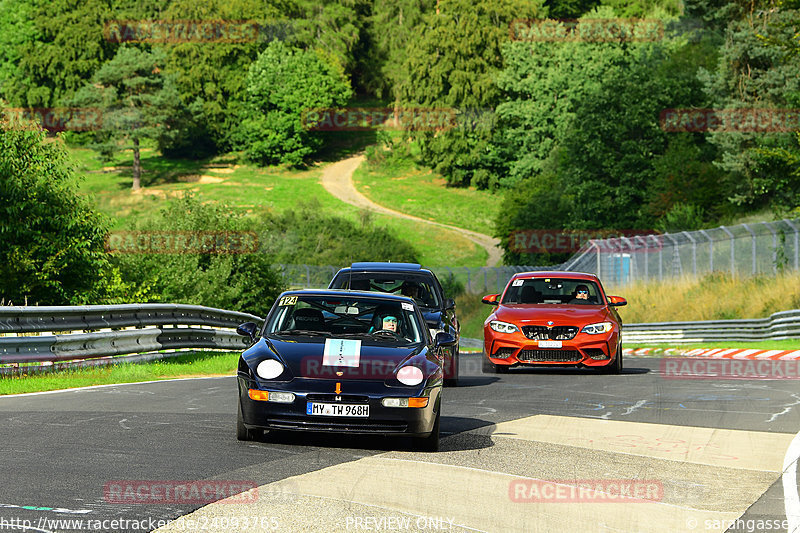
502	327
269	369
596	329
409	375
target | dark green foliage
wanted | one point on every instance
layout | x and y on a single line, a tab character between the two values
756	72
136	102
305	235
284	84
453	64
237	281
51	240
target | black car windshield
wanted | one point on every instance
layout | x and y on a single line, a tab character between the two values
377	320
553	291
415	286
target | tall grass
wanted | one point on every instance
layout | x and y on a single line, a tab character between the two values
716	296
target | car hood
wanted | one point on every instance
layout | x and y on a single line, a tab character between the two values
304	358
561	315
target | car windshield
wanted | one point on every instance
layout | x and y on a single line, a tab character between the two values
376	320
417	287
553	291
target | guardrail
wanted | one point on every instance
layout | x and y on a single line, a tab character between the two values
779	326
33	334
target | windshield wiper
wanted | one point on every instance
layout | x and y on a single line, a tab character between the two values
301	332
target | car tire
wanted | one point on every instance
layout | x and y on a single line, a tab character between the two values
491	368
431	442
616	366
452	381
242	433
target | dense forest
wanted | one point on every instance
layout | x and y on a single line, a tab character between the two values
617	114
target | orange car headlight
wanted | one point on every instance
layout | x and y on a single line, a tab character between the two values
502	327
597	329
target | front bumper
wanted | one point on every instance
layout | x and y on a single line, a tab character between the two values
405	421
512	349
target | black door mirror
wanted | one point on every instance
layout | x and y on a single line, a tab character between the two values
444	339
248	329
449	304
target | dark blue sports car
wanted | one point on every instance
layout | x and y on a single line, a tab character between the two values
342	361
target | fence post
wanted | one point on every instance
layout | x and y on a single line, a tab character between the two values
733	255
774	246
753	245
694	252
710	250
796	253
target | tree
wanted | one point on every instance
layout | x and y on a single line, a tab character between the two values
52	249
135	100
757	69
236	281
453	62
283	85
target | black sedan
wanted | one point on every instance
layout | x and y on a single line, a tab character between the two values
342	361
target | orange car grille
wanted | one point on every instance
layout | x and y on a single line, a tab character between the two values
550	355
556	333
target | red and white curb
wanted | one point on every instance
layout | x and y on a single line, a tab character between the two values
718	353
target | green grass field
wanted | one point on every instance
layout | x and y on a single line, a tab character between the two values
790	344
250	189
422	193
189	365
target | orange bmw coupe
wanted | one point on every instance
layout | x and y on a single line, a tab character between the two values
553	318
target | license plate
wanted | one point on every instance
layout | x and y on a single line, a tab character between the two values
549	344
337	409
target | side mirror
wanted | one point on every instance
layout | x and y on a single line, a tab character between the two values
248	329
491	299
449	304
444	339
617	301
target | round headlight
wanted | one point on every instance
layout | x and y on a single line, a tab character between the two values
409	375
269	369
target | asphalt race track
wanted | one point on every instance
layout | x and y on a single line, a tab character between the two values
534	450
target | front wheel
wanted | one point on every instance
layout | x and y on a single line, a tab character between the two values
242	433
616	366
451	377
431	442
491	368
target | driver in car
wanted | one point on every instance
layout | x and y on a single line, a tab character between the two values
390	323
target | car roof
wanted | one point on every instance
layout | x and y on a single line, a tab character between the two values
384	267
346	292
564	274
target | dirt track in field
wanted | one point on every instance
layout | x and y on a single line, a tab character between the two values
337	179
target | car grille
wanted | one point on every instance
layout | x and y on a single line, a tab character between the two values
352	425
550	355
596	353
556	333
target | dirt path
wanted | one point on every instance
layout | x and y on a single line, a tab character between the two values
337	180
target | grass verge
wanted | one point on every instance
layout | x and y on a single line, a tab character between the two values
401	185
195	364
254	191
716	296
790	344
